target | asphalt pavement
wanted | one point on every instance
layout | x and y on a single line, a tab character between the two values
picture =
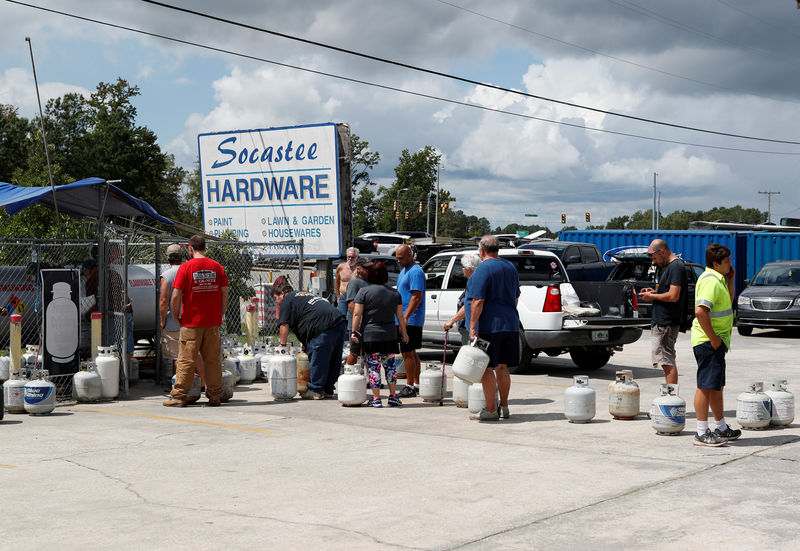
132	474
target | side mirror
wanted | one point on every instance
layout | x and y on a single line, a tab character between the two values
572	259
746	282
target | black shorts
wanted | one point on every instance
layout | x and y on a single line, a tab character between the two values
710	366
503	348
380	347
414	339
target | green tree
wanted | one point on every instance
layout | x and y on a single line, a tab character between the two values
237	265
362	161
416	172
15	142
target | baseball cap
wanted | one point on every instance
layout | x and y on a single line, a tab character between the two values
88	264
174	249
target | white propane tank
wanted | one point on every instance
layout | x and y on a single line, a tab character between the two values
782	403
30	359
476	401
86	384
14	394
754	407
269	354
351	388
228	382
40	395
5	368
400	366
668	411
230	365
430	383
247	368
259	353
283	375
303	371
108	369
580	400
623	396
194	391
460	392
471	361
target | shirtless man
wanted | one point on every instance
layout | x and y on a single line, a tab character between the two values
344	272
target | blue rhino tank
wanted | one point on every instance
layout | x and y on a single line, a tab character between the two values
754	407
40	395
580	400
782	403
668	411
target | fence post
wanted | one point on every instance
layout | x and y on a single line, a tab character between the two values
159	376
125	306
302	262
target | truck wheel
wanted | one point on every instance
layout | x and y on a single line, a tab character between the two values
525	355
744	330
589	357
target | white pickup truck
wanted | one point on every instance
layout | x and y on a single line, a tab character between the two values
588	319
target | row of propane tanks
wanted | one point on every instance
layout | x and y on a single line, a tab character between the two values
29	390
755	408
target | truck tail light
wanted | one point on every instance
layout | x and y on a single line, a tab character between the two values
635	300
552	301
374	244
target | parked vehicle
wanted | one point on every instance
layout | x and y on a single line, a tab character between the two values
583	261
385	243
771	299
391	263
365	246
589	320
414	234
638	269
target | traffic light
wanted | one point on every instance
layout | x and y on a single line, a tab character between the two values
563	218
396	215
406	215
444	207
420	206
588	217
394	208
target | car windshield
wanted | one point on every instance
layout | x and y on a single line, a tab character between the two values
778	275
536	269
557	249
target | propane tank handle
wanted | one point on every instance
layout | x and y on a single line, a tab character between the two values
480	343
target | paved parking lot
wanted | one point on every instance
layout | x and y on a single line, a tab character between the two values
134	475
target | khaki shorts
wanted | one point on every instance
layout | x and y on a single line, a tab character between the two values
662	342
170	344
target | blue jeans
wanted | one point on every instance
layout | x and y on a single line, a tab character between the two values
342	304
325	357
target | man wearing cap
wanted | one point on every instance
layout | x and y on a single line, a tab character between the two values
87	289
199	299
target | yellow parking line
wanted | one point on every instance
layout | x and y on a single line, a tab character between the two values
7	466
236	427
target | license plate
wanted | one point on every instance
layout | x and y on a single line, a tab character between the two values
600	336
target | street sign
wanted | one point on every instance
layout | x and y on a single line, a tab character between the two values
531	215
522	233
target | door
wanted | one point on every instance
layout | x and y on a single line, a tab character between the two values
435	272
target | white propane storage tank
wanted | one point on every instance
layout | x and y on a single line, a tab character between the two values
668	411
471	361
228	383
14	393
5	368
430	383
86	384
108	369
623	396
476	400
247	367
283	374
754	407
460	392
40	395
195	391
782	403
580	400
351	388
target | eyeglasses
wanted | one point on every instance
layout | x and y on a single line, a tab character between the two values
651	255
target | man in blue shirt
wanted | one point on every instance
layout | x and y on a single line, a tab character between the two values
411	286
491	309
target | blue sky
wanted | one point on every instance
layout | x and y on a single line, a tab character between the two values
727	66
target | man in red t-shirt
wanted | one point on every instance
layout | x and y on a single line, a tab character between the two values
200	297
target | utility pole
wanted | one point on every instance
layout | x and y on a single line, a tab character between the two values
436	212
769	195
654	201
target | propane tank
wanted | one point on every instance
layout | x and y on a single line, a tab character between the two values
14	393
30	359
230	365
430	383
283	375
580	400
194	391
15	343
228	382
40	394
247	368
754	407
668	411
108	369
303	372
258	355
476	400
471	361
623	396
351	388
133	369
400	366
86	384
5	368
268	356
460	392
782	402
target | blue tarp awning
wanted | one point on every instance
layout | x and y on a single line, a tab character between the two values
85	198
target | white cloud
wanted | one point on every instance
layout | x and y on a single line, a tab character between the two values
18	88
675	166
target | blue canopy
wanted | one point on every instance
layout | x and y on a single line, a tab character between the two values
90	197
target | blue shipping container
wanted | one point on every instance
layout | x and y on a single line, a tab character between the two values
687	244
768	247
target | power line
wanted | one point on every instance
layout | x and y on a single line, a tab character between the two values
395	89
613	57
458	78
764	21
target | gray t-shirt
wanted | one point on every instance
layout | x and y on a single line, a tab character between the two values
380	304
169	277
355	285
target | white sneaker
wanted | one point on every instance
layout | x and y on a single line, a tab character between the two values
484	415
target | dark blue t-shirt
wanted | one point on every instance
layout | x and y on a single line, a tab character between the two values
496	281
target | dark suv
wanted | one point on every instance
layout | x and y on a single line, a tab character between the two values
771	299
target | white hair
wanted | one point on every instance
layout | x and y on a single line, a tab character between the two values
470	260
352	250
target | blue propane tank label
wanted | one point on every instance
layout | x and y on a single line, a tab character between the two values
674	413
37	394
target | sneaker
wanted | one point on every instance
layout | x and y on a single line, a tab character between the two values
407	391
394	401
728	434
485	415
311	395
374	403
174	403
709	439
503	411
